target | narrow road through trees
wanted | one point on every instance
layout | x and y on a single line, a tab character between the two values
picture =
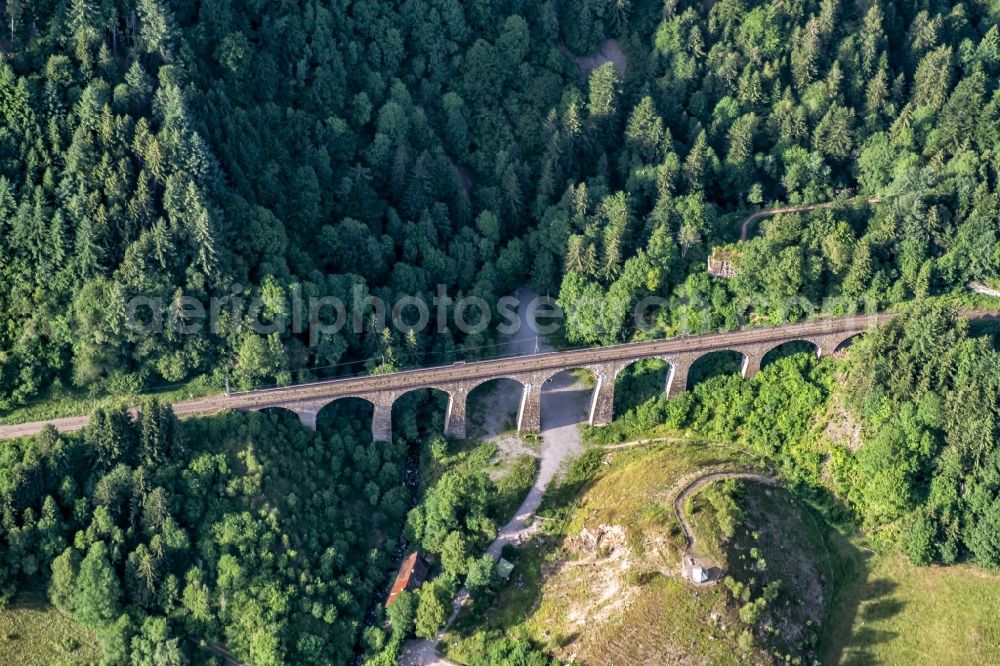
566	399
753	217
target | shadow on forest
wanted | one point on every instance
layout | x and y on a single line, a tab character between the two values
786	350
418	415
714	364
639	382
281	415
986	328
354	413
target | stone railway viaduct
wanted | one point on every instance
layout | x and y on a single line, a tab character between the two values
532	371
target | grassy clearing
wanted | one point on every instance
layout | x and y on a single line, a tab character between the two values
32	633
631	483
620	432
898	613
602	584
705	524
514	484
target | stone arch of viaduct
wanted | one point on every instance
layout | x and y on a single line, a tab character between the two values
605	371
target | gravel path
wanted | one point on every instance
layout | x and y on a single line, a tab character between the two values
564	408
565	403
753	217
980	288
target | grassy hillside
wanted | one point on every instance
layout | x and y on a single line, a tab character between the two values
601	583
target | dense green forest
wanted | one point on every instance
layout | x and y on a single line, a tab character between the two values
464	493
248	536
929	473
269	151
251	149
170	539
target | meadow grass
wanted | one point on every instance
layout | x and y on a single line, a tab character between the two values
899	613
652	611
32	632
878	609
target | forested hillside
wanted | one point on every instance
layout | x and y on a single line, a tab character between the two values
919	399
254	148
244	534
595	150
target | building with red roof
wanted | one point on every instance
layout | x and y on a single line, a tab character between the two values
412	572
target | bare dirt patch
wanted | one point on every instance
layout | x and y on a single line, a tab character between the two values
509	449
604	559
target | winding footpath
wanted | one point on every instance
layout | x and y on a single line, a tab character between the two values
753	217
566	399
693	486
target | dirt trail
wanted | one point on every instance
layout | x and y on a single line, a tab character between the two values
986	290
564	406
693	486
753	217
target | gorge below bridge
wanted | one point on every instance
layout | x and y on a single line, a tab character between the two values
532	371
